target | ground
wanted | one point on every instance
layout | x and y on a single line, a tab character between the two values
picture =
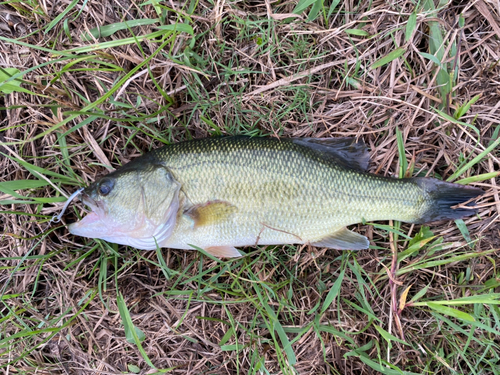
88	86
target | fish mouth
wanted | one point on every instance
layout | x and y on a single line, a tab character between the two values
92	225
88	201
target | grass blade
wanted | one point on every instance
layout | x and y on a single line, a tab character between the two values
393	55
410	26
333	293
449	311
135	335
303	5
108	30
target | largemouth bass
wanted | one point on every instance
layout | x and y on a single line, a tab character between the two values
221	193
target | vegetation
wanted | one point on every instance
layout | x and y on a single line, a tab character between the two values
87	86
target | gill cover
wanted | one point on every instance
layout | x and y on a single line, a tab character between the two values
133	206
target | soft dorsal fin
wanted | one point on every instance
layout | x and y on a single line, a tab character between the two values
345	151
210	213
344	239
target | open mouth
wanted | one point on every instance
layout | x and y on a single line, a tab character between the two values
91	225
88	201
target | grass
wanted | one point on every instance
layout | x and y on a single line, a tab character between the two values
87	86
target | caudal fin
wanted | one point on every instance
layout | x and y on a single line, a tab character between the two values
442	196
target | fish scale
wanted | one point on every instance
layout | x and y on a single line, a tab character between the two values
279	185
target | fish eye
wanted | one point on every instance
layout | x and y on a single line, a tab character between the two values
105	187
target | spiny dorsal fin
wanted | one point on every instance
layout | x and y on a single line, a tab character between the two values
344	239
210	212
346	151
223	251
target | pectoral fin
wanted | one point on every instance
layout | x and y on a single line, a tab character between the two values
223	251
344	239
210	213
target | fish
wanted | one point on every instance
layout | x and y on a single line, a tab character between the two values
221	193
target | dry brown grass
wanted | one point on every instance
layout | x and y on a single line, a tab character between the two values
247	72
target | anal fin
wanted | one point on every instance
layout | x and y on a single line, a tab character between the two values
223	251
344	239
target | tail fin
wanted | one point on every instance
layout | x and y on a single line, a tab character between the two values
442	196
